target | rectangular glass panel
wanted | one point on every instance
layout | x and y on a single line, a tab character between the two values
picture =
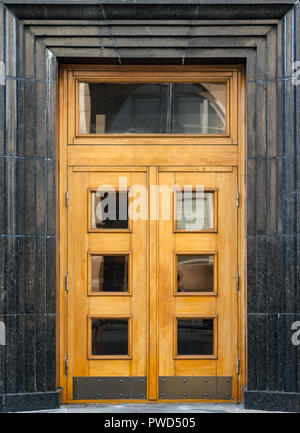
199	108
109	210
195	336
110	273
195	210
109	336
122	108
160	108
195	273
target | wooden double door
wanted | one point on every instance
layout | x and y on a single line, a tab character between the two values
152	283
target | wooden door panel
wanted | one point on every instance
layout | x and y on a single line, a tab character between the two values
105	305
192	368
197	242
194	305
220	305
146	250
110	368
86	305
78	304
110	242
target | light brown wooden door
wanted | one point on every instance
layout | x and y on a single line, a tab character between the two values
197	275
107	282
157	305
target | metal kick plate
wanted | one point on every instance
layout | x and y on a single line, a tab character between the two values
195	387
115	388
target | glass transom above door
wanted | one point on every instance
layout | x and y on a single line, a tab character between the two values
152	108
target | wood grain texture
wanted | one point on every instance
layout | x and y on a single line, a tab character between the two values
222	306
83	244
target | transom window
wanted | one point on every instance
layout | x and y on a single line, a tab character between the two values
153	108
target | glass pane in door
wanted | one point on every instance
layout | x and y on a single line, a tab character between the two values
195	336
109	273
109	336
109	210
195	273
195	210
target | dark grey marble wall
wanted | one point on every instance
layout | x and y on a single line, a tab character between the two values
27	218
273	284
28	61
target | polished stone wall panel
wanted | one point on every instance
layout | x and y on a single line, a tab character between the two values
27	218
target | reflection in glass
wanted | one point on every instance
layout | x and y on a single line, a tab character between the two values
109	336
195	337
110	273
122	108
109	210
195	273
199	108
195	210
172	108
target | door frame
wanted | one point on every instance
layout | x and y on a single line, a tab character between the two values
62	215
